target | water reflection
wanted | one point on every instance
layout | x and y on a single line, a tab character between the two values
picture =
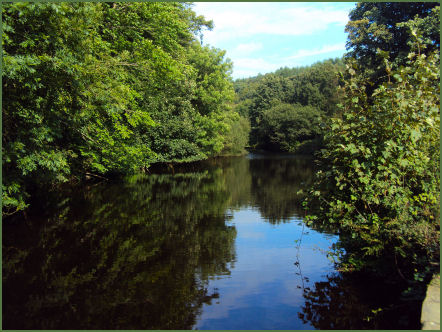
268	182
275	183
133	255
356	302
206	245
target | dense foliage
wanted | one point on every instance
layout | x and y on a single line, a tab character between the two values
380	181
285	126
99	88
373	27
287	108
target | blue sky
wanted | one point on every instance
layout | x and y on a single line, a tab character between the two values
260	37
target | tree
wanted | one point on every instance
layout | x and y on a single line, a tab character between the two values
237	136
304	89
317	86
213	95
285	126
373	27
45	74
106	88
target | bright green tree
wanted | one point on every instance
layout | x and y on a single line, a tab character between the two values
107	88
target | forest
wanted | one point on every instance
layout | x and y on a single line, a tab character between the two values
101	90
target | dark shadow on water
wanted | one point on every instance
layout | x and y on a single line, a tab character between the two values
276	182
357	302
119	256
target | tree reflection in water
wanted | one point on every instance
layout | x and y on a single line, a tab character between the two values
275	184
140	254
131	255
353	302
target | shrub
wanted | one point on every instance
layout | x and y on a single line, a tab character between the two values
380	179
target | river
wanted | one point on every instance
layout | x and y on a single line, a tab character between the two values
214	245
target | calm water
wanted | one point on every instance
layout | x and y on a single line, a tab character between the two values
206	246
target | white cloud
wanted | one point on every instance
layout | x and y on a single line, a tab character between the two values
245	19
255	34
323	50
248	47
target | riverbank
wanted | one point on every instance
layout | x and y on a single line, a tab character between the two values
430	318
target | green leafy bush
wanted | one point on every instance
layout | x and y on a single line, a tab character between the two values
380	179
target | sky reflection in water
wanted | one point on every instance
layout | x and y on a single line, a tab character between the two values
264	290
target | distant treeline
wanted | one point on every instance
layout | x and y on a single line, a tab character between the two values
288	108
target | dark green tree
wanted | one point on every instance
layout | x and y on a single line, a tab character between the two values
263	98
285	126
373	29
317	86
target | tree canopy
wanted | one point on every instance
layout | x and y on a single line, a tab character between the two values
374	30
286	108
103	88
